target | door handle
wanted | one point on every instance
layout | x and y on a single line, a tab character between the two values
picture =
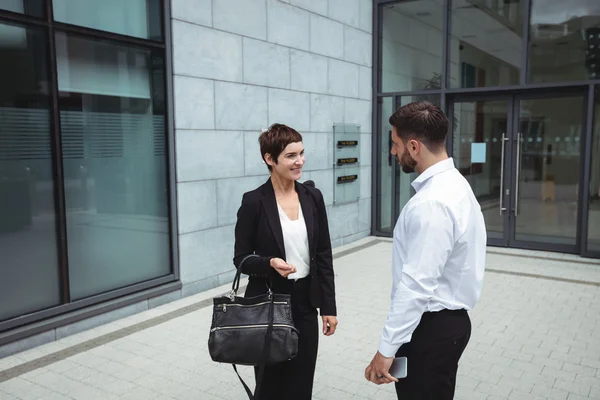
502	208
518	174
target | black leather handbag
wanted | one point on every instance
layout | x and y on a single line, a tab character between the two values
256	331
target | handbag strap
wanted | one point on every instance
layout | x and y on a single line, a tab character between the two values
267	346
265	354
268	336
246	388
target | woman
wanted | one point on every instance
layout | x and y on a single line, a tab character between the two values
285	223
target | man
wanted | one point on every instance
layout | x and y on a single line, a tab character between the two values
437	261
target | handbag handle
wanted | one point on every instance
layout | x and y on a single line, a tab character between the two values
238	275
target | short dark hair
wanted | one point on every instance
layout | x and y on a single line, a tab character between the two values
423	121
275	140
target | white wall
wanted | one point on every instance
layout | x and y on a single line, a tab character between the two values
241	65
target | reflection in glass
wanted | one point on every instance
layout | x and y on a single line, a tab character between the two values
485	43
548	168
412	45
34	8
138	18
594	210
477	153
564	40
113	132
29	278
386	167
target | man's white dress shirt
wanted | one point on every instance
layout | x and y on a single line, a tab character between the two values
438	257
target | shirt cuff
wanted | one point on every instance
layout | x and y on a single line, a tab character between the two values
388	350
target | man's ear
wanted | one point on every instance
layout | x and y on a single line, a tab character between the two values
414	145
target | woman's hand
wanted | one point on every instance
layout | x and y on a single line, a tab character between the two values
284	269
329	324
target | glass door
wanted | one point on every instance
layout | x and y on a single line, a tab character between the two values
522	157
545	205
481	150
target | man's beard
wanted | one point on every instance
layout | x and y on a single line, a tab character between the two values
407	163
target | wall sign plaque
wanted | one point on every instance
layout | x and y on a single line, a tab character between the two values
347	178
351	160
346	167
347	143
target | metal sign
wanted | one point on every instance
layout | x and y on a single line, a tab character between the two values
347	178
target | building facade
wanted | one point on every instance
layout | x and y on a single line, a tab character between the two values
128	134
519	82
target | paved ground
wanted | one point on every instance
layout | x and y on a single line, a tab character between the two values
536	336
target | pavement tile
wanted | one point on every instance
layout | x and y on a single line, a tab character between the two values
533	339
23	389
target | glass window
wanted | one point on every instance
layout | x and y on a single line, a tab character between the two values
564	41
29	278
594	210
412	45
391	201
113	135
386	167
34	8
486	43
139	18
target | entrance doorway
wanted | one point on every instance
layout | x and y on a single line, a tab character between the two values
522	156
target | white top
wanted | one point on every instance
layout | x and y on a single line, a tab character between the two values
295	241
438	257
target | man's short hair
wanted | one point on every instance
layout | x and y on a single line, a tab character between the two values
275	140
422	121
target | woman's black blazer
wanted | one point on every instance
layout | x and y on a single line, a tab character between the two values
258	231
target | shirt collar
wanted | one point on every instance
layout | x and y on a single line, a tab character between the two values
438	168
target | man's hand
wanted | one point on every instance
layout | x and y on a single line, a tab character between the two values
284	269
378	371
329	324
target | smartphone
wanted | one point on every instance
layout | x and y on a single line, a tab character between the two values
399	368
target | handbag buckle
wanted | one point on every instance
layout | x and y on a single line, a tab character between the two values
270	294
231	295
